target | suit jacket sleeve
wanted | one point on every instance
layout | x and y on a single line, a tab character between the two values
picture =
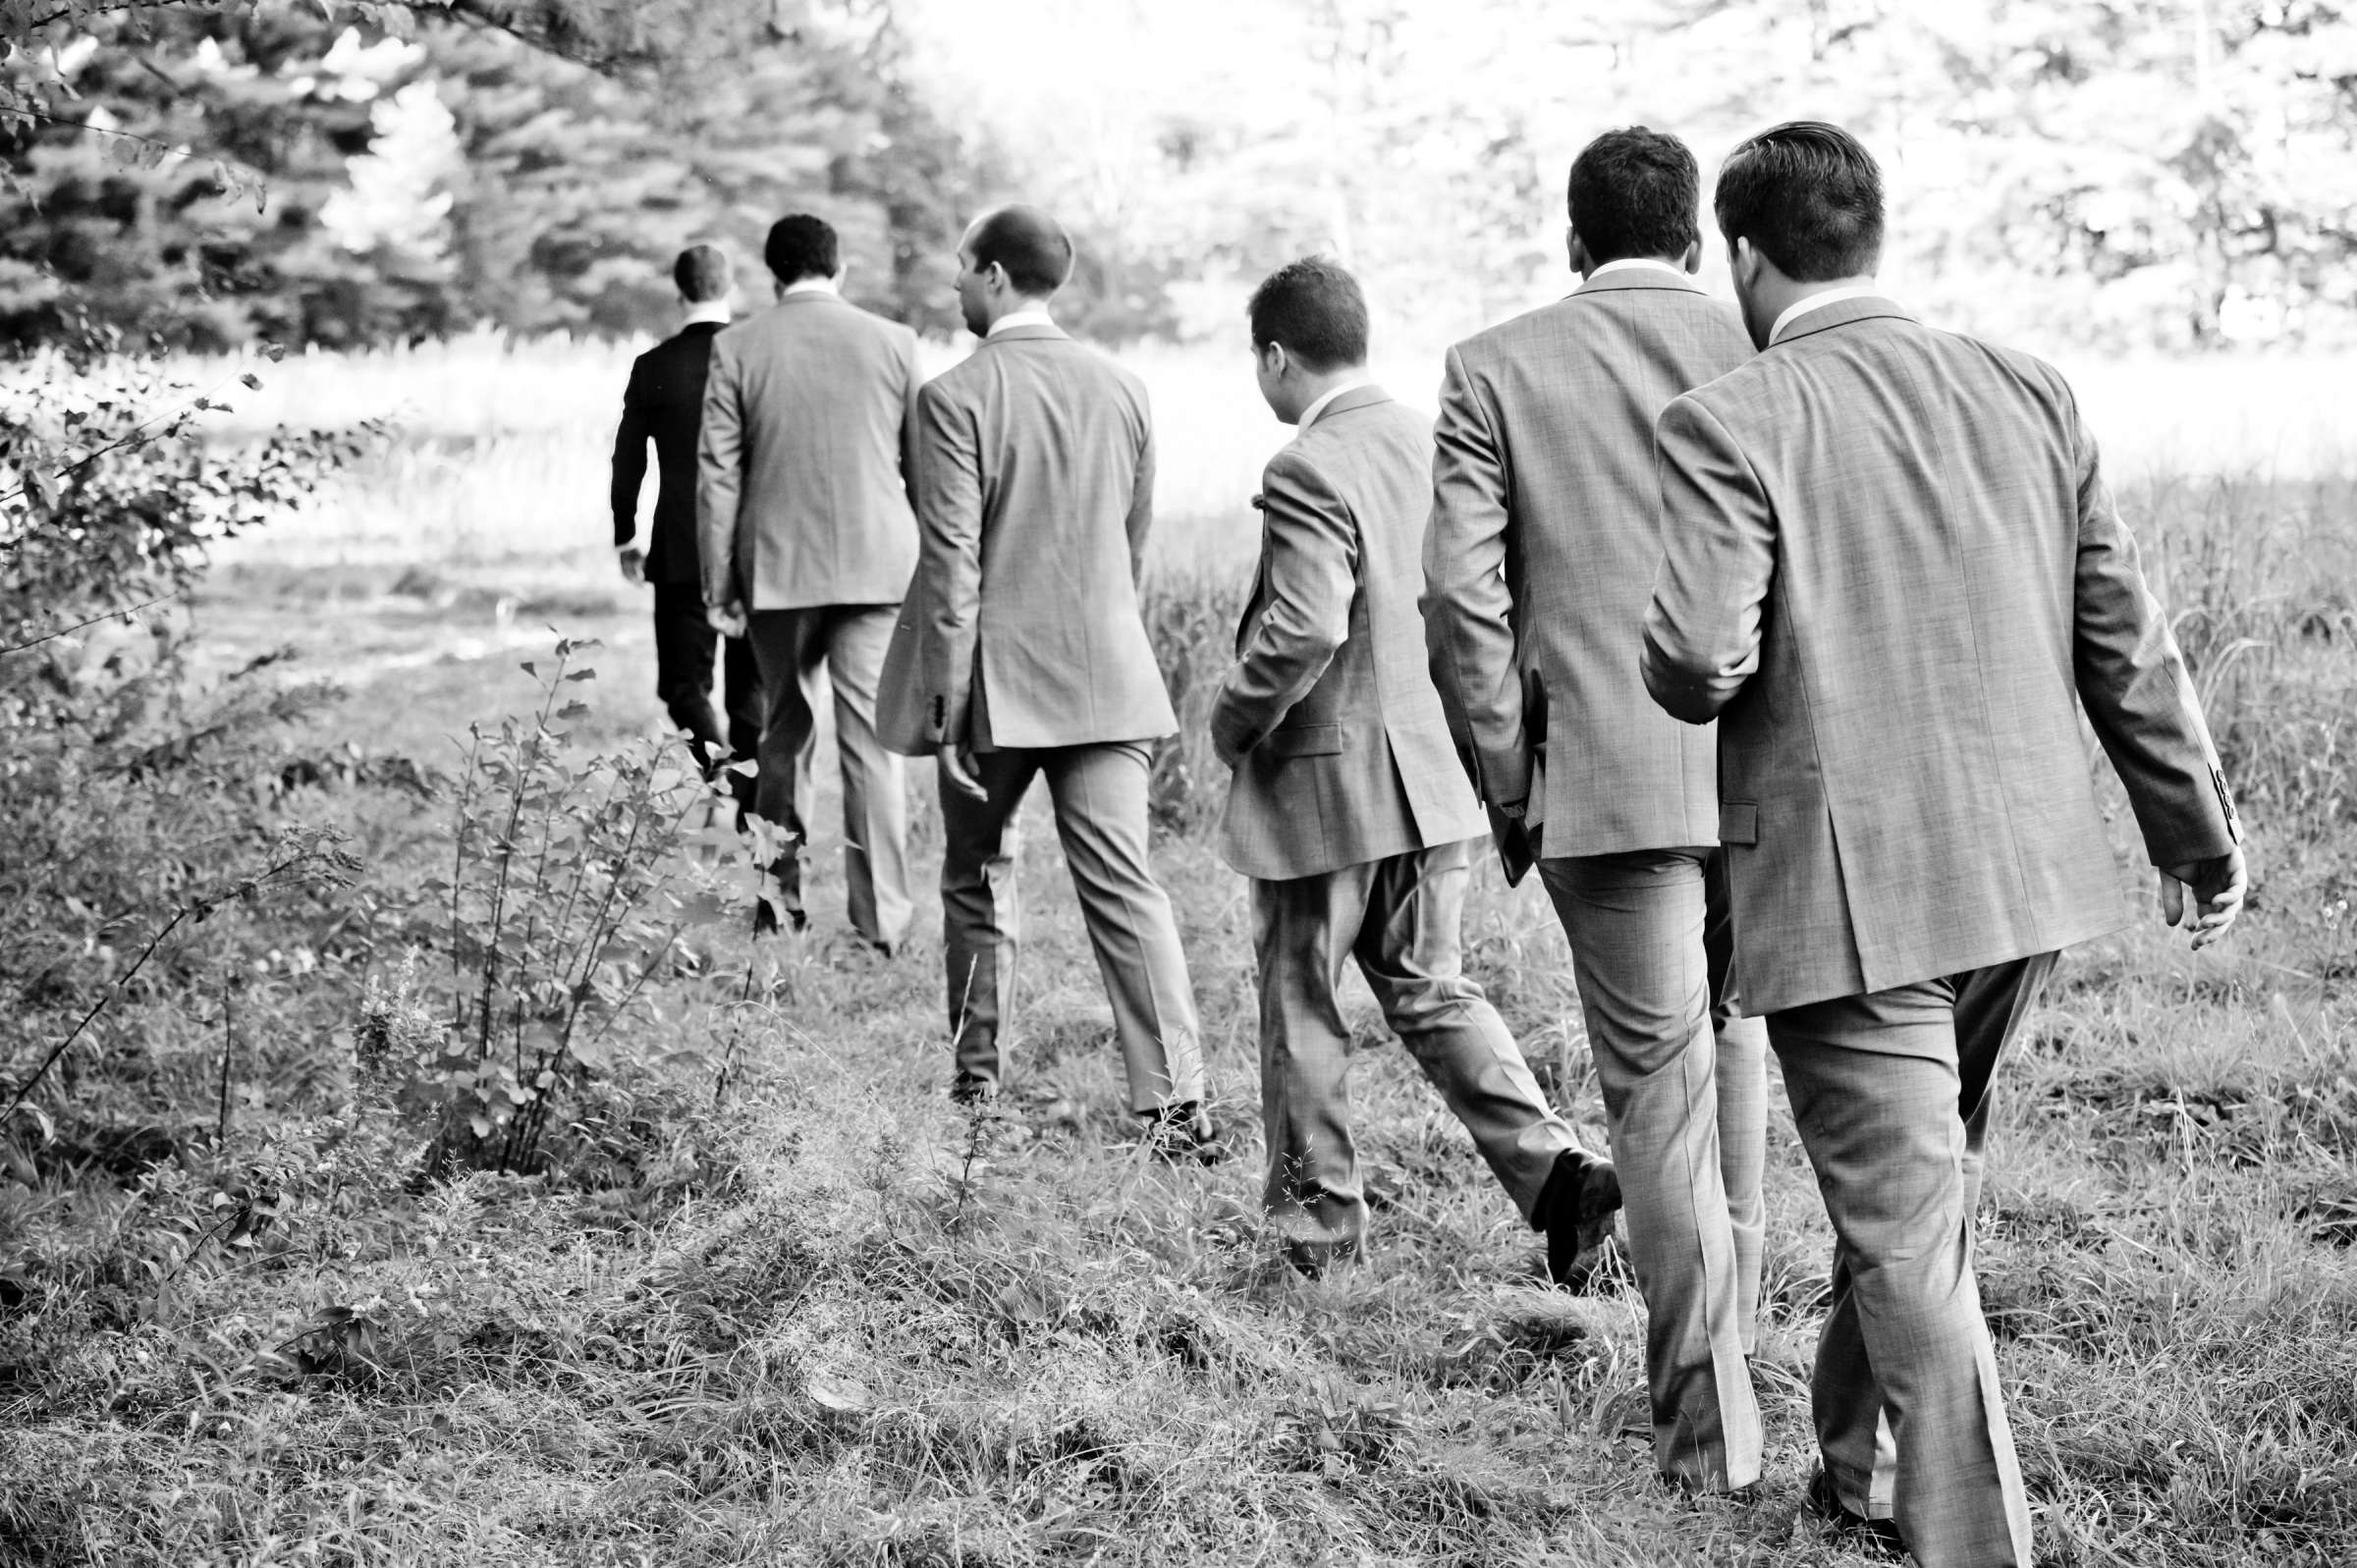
1468	606
1140	522
1702	630
718	476
2133	684
949	525
1310	557
629	454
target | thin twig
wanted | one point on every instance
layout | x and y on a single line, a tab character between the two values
126	612
229	1046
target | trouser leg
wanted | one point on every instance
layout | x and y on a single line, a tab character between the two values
1302	928
980	917
787	646
1100	794
1409	947
875	792
1882	1086
1636	926
1742	1079
683	647
746	708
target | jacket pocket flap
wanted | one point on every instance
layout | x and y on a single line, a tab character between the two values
1739	821
1306	740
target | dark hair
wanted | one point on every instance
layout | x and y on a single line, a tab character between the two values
1315	309
1808	197
801	246
1636	192
703	273
1031	246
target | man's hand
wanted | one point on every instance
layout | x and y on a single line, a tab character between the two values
728	620
2217	885
958	770
1515	810
633	563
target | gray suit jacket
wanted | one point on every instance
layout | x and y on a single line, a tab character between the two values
1891	561
1540	559
1346	752
1035	494
801	494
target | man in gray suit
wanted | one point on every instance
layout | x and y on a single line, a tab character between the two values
808	542
1023	653
1348	811
1538	565
1890	566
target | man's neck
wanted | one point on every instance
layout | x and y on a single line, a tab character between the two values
1632	263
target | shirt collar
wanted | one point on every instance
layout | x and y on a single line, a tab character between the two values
1029	316
1631	263
809	285
715	311
1832	297
1310	416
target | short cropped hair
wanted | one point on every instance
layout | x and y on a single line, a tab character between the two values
1636	192
702	274
1809	197
1315	308
801	246
1031	246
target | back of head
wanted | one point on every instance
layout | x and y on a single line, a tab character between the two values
702	274
1032	248
1314	307
801	246
1636	192
1809	197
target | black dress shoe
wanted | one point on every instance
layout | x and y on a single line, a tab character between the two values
765	919
970	1093
1183	1131
1575	1210
1876	1538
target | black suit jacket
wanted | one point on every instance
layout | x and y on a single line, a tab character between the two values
665	401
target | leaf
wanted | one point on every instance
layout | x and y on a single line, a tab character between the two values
580	674
252	381
840	1395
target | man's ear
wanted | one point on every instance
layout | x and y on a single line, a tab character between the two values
1274	359
1692	259
1576	251
1743	260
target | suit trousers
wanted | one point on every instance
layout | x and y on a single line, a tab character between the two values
1099	793
683	647
1892	1091
1686	1104
843	645
1400	919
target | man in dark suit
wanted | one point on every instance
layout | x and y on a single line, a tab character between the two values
665	402
1894	576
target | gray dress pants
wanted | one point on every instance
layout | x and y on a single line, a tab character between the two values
1891	1093
799	652
1100	798
1400	919
1686	1104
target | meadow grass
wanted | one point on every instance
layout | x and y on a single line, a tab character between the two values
817	1316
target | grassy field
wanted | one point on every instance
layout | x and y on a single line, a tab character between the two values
781	1304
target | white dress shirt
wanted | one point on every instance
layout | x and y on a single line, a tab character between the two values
713	310
1832	297
1029	316
1627	263
1310	416
809	285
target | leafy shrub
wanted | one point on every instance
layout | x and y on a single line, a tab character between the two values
564	898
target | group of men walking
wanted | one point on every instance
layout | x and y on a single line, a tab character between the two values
1764	634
